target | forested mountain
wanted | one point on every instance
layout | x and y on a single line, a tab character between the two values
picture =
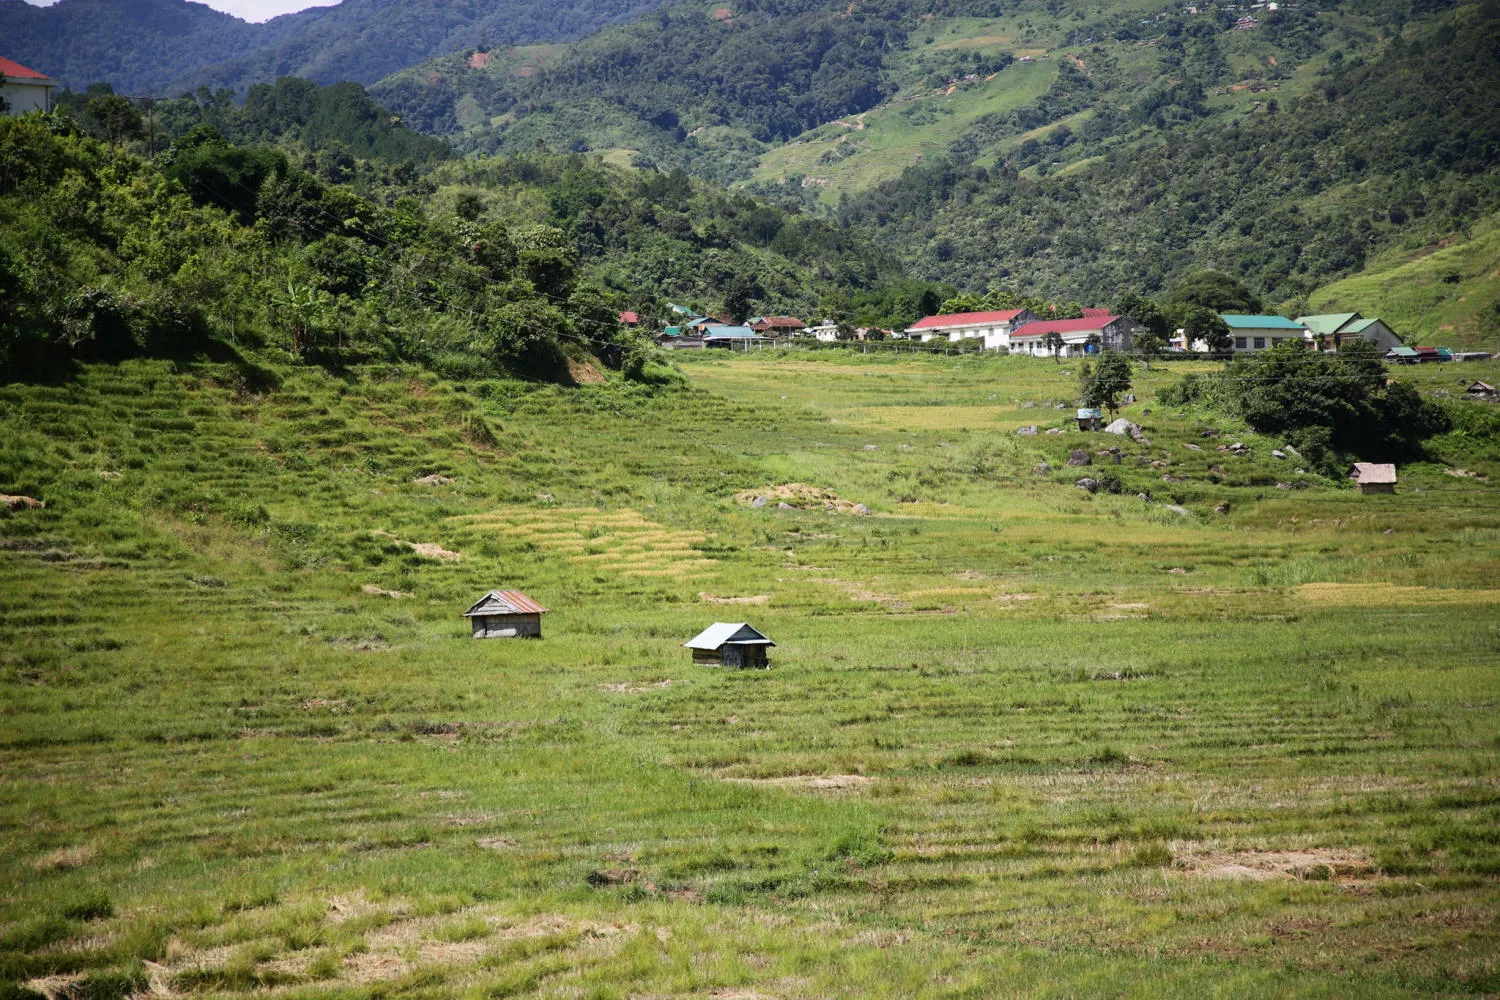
1076	152
118	241
163	47
1402	149
139	46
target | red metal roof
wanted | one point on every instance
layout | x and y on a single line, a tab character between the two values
505	602
15	71
629	317
1045	327
966	319
1093	312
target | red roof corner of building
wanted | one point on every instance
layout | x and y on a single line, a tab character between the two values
1045	327
12	70
966	319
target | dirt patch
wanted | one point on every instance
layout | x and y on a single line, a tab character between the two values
495	843
375	591
707	598
479	60
627	688
429	550
56	987
373	967
20	503
433	480
721	13
802	496
64	858
433	550
585	373
1263	866
818	782
334	705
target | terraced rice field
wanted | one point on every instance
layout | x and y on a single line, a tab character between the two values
1017	739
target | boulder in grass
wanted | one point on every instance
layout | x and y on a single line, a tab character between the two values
1277	453
861	510
433	480
1080	457
1091	485
1029	431
1179	510
785	506
20	502
758	502
1122	426
1222	508
1042	467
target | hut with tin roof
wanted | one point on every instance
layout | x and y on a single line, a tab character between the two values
506	614
730	644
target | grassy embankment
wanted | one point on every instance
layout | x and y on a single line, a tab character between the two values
1447	294
1017	738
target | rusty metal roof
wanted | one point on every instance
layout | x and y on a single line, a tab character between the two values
504	602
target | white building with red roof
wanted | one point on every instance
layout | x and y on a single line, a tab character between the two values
23	89
1115	333
995	328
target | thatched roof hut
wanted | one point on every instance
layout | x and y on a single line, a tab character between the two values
1373	477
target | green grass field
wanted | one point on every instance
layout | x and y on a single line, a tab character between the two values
1017	739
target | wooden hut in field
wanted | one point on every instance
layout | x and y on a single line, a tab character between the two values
1373	477
506	614
730	644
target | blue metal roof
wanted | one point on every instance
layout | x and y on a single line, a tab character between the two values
1239	322
723	332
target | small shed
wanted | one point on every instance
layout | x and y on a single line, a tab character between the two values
1090	418
730	644
1480	390
1372	477
506	614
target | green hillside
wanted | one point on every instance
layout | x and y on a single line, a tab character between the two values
1447	293
167	47
1115	148
1016	737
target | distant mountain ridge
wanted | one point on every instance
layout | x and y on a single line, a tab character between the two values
166	47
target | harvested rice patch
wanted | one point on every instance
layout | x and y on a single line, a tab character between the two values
1376	594
624	542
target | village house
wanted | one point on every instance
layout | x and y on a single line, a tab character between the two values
775	325
1331	330
506	614
995	328
630	318
1114	333
1481	390
674	339
739	338
23	90
1258	333
730	644
1373	477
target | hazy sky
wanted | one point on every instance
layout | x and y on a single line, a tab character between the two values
250	10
